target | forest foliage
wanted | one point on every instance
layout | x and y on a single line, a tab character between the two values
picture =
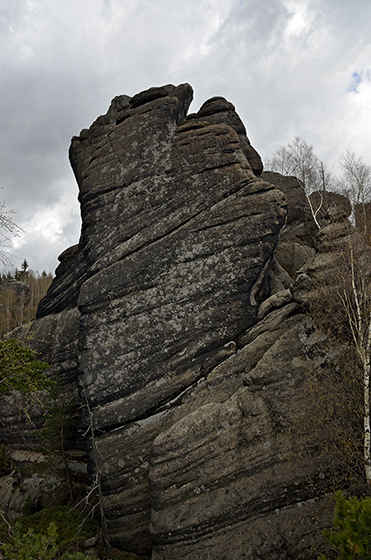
20	293
55	533
20	369
350	538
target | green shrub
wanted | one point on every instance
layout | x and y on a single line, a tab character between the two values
352	536
20	369
41	544
70	524
31	546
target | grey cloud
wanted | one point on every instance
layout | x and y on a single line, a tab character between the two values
62	63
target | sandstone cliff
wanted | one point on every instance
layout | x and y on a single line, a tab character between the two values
174	318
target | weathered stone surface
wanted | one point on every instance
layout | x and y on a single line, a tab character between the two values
293	256
242	487
275	301
216	111
277	277
55	339
19	494
43	482
299	239
177	318
321	269
330	206
64	291
362	214
300	226
178	234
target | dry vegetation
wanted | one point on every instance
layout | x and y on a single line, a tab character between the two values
20	294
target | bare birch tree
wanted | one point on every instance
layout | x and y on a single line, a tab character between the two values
8	228
356	177
342	310
299	159
355	183
355	296
281	161
326	181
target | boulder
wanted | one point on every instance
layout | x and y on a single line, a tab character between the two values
330	206
293	256
300	226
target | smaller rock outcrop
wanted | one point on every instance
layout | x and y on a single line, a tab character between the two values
330	206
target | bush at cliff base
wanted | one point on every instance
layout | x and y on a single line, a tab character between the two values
36	546
351	538
47	534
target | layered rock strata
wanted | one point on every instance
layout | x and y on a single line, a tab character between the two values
184	337
177	236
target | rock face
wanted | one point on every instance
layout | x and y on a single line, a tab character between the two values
174	319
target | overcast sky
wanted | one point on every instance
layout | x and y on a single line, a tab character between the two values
291	67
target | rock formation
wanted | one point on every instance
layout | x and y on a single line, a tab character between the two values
173	317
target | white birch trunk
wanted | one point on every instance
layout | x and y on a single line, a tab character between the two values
360	326
366	403
366	421
312	211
